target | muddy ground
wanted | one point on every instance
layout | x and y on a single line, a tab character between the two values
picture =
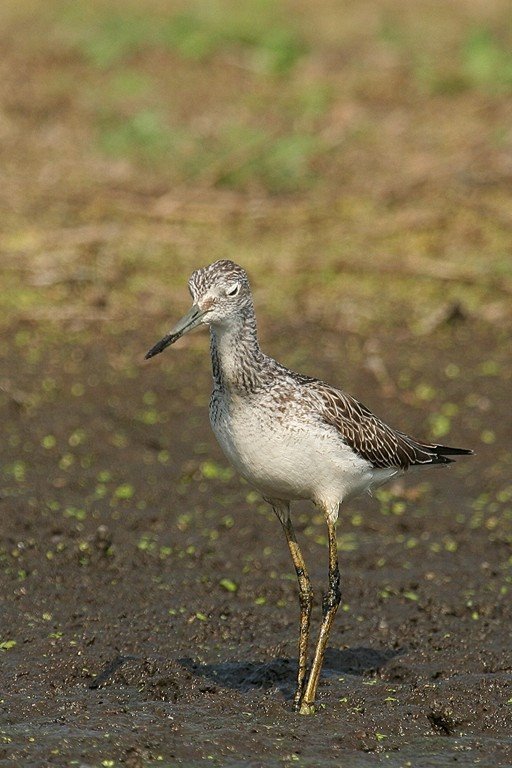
358	163
153	606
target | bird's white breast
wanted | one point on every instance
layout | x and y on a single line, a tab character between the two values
286	454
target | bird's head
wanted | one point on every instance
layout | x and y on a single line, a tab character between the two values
221	294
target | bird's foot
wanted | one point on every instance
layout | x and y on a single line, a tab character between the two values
299	703
306	709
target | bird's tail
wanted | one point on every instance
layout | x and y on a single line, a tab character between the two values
442	453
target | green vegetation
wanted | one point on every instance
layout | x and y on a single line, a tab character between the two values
228	585
487	60
259	31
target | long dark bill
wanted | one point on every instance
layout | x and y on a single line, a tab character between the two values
189	321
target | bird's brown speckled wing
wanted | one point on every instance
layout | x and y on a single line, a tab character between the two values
370	437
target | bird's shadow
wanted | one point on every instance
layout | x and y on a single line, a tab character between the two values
281	673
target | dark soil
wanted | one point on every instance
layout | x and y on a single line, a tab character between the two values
150	596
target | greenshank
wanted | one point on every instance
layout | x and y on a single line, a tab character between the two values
291	437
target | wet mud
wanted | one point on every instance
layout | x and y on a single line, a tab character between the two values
149	608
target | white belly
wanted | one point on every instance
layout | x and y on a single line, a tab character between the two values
287	459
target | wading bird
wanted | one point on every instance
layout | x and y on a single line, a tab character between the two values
291	437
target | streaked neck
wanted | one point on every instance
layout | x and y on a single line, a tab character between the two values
237	360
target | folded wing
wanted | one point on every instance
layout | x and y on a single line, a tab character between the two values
374	440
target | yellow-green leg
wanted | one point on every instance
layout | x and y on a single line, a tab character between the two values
305	596
331	602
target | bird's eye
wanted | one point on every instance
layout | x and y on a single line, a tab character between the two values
233	290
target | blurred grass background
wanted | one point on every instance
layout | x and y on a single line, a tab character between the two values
356	157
